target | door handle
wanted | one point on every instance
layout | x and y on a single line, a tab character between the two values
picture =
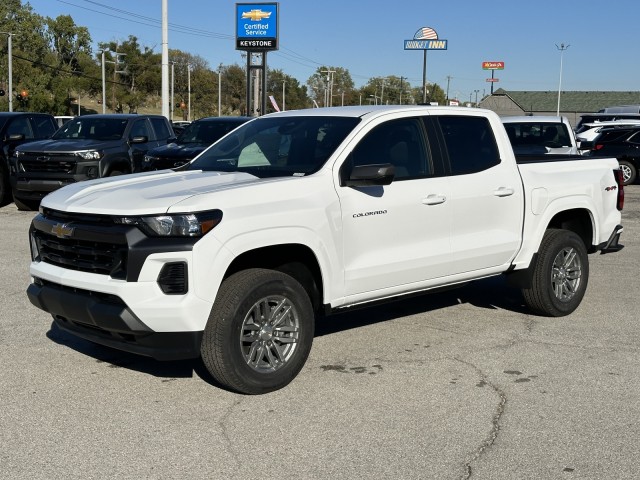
504	192
434	199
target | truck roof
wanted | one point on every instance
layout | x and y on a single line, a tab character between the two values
362	110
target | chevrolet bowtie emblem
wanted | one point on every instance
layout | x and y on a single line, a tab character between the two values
62	230
256	15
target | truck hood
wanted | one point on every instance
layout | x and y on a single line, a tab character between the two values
142	193
49	145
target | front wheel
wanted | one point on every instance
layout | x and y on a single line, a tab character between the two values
629	172
560	276
259	332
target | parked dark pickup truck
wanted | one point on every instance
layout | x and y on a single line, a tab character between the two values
17	128
90	146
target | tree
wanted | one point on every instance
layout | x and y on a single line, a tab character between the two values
328	86
295	95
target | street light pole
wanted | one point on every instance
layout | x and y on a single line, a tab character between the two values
562	48
476	97
219	89
189	92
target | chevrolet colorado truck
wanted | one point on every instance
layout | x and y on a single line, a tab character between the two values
298	214
86	147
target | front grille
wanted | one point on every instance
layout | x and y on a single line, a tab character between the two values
87	243
85	256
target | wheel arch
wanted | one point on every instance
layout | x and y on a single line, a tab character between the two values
579	221
296	260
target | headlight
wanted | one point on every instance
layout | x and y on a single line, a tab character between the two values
180	225
90	155
149	159
18	154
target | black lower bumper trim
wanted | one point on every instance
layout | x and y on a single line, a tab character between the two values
612	245
106	320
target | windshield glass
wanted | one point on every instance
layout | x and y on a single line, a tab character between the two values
206	131
277	146
87	128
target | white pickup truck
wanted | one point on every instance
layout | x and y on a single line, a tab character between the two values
303	213
541	135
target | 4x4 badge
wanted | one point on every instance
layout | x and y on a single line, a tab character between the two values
62	230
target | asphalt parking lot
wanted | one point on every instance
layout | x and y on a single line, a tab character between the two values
456	385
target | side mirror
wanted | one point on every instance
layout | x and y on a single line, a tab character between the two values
140	139
366	175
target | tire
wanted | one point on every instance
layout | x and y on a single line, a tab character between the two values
629	171
560	276
116	173
247	352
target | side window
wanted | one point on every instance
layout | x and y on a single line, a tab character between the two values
470	144
20	126
399	142
161	128
44	126
140	129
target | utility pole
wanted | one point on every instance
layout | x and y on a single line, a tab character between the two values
104	85
329	91
401	79
448	81
165	59
188	92
220	89
172	85
10	65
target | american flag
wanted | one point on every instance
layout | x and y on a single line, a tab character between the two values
426	33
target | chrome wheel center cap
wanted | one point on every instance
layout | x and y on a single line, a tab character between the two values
266	332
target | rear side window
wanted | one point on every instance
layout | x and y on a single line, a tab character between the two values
44	127
20	126
161	128
140	129
470	143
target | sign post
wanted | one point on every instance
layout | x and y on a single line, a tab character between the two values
425	39
493	66
257	33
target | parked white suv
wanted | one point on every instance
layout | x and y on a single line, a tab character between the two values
588	132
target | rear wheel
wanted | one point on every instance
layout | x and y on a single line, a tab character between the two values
561	274
259	332
629	172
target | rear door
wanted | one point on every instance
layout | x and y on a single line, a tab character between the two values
486	197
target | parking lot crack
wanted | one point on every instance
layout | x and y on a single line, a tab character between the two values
490	439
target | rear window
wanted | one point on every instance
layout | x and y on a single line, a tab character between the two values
525	134
470	144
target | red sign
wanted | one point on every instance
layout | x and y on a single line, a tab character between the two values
493	65
493	79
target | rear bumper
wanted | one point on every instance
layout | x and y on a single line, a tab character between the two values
612	245
107	320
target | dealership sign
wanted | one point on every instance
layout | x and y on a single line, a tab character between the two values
425	39
256	26
493	65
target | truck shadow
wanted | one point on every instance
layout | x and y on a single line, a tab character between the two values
491	294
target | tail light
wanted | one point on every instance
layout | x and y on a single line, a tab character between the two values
620	181
598	146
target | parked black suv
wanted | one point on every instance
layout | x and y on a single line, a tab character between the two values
622	143
17	128
194	139
90	146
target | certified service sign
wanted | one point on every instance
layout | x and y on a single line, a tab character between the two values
256	26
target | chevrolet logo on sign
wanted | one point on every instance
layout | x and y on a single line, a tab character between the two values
62	230
256	15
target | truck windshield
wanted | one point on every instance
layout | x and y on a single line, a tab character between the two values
207	131
277	146
87	128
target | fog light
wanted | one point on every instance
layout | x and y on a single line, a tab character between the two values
173	278
92	172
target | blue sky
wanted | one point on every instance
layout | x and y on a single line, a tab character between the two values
367	38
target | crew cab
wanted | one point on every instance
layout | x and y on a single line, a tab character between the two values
299	214
85	147
541	134
17	128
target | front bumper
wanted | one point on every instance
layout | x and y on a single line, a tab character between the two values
107	320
